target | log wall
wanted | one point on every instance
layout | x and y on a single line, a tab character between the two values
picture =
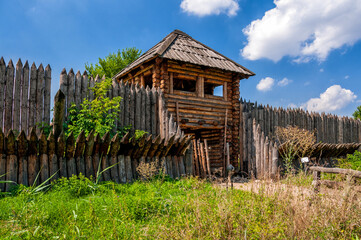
328	128
336	136
24	95
23	157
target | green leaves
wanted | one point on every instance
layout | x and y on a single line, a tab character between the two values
357	113
113	63
99	114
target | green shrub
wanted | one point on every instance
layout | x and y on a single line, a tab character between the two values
98	114
352	161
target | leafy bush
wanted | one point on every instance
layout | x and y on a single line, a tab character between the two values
76	186
352	161
99	114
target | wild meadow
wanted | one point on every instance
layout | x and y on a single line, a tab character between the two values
190	208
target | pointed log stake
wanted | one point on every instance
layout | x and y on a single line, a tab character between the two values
9	96
47	90
79	151
59	113
121	169
105	160
53	158
140	146
114	149
96	154
186	146
17	96
12	160
2	158
24	98
69	154
40	96
33	163
61	144
123	144
147	145
88	152
154	147
23	160
2	90
169	145
128	169
32	96
43	154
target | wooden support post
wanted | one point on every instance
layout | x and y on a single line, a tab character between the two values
207	158
224	144
316	181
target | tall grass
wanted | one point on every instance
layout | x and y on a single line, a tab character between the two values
168	209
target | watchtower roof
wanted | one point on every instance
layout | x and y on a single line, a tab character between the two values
180	46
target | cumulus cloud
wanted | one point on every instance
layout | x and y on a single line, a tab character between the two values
303	29
284	82
210	7
265	84
334	98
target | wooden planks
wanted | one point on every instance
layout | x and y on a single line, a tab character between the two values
24	96
25	157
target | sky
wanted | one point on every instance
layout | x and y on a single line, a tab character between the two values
305	53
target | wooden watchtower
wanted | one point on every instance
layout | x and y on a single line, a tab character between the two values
201	88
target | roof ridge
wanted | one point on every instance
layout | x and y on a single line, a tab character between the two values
219	54
201	53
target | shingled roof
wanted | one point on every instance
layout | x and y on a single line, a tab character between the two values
180	46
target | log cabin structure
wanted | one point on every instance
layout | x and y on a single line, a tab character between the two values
201	88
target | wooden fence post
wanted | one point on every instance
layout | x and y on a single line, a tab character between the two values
2	89
2	157
11	160
59	113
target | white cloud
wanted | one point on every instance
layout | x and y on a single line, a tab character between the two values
303	29
347	77
334	98
292	105
321	70
209	7
307	83
265	84
284	82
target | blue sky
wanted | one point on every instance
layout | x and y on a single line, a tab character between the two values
305	53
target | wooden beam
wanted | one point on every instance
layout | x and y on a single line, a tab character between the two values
225	91
171	83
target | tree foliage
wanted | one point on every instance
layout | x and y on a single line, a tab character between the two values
357	113
113	63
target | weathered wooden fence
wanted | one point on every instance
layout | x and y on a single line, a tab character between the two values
23	157
317	175
336	136
24	95
141	108
328	128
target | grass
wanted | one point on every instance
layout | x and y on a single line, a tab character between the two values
167	209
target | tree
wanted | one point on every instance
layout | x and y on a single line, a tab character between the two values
357	113
113	63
